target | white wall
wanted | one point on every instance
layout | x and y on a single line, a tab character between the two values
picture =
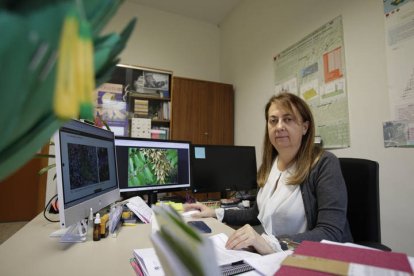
257	30
167	41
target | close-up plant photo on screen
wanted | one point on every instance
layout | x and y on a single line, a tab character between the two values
152	166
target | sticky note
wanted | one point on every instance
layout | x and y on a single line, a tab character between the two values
200	152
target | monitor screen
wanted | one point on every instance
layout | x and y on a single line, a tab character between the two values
152	166
85	169
219	168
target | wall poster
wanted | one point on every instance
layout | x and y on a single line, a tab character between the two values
399	29
314	68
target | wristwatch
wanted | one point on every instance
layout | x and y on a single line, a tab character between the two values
287	244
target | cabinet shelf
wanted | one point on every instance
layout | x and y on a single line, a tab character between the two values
158	121
148	97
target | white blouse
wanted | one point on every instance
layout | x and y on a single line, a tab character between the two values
281	209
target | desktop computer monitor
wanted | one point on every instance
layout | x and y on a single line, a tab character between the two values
85	169
147	166
222	168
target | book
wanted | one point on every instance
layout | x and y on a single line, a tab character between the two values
118	127
314	258
141	107
159	134
111	109
111	87
167	132
141	127
137	268
147	262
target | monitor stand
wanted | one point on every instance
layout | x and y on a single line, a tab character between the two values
74	233
152	198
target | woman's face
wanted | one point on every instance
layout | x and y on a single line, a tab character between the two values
285	128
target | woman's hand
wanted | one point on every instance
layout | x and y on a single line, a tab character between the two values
246	237
205	212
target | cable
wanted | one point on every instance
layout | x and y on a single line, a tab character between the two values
47	208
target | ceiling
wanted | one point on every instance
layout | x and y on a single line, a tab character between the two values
211	11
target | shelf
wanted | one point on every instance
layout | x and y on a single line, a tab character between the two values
160	121
152	120
147	94
148	97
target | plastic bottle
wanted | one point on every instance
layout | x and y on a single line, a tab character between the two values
97	228
89	233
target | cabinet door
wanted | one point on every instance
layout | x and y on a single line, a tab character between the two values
22	194
188	104
221	114
202	111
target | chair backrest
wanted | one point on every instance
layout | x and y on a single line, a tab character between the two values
362	181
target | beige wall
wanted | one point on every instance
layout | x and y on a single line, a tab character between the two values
258	30
163	40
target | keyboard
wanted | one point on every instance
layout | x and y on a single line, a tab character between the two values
214	204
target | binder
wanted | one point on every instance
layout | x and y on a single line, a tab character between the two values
341	258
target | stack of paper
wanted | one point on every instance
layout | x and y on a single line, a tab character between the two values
140	209
181	250
146	262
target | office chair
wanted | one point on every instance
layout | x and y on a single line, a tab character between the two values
362	181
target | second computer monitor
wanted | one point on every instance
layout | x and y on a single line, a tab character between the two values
152	166
219	168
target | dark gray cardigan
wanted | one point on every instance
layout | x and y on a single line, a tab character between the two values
325	200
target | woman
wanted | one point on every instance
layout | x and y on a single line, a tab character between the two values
302	193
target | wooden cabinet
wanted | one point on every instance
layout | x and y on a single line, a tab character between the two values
203	111
22	194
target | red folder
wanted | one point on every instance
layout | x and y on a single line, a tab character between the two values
389	260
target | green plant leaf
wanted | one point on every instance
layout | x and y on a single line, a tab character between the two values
45	169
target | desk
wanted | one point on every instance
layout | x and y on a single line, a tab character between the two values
32	252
